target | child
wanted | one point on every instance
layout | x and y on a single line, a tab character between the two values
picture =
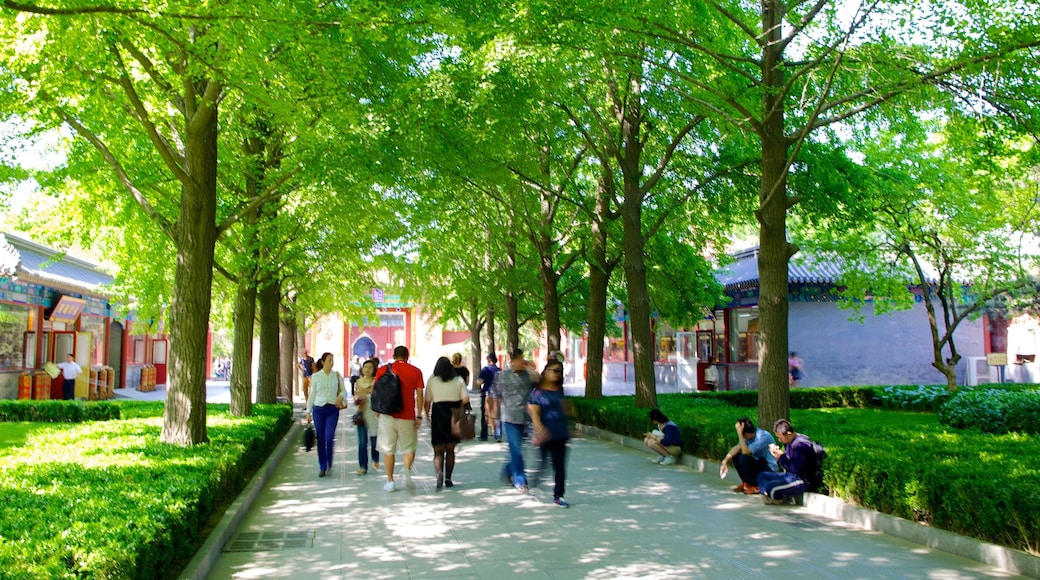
665	441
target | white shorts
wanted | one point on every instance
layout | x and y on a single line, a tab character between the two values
397	435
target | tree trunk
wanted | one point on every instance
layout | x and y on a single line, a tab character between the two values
492	345
551	300
267	373
599	278
639	305
476	325
301	344
774	251
242	348
184	418
597	327
512	323
286	364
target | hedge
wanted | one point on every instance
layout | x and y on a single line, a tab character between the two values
107	499
993	411
58	411
897	462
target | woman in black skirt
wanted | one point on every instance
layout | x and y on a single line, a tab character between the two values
444	391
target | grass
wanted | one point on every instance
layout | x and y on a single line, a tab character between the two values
16	434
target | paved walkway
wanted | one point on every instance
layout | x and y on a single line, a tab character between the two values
628	518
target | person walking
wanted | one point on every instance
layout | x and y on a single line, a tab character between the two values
306	371
795	368
461	370
323	406
444	391
488	405
547	408
515	385
398	432
366	431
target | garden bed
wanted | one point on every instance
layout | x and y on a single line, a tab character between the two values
106	499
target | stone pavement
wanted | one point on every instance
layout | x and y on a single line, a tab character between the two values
629	518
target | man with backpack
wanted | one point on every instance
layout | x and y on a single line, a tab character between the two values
801	463
398	431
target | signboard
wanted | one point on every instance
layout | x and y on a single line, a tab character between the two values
67	310
996	359
378	296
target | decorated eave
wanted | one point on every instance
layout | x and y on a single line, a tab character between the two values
32	263
802	270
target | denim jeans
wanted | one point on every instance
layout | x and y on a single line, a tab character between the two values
325	419
514	466
363	441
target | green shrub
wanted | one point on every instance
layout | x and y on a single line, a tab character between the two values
815	398
993	411
109	500
58	411
914	398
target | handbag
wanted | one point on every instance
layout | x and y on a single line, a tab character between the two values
463	424
541	437
358	419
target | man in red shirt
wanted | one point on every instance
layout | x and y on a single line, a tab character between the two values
399	431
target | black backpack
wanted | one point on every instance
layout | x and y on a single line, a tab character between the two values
815	475
386	394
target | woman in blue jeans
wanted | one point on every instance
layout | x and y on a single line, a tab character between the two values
323	405
366	432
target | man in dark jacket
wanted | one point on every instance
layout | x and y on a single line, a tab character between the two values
798	461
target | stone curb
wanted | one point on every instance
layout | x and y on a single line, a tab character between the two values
204	560
1008	559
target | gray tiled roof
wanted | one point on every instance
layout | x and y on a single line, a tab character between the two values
802	269
19	256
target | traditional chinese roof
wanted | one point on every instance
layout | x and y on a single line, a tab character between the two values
31	262
803	269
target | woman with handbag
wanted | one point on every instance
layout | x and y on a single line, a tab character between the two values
444	391
323	405
365	418
547	408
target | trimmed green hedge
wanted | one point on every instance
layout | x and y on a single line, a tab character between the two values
993	411
107	500
58	411
897	462
815	398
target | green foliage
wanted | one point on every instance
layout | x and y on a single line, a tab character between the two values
993	411
58	411
914	397
108	500
901	463
817	398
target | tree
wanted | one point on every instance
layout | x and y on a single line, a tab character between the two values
947	224
792	69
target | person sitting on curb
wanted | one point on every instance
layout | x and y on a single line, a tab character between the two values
750	456
665	440
798	461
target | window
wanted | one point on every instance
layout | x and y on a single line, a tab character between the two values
14	334
743	334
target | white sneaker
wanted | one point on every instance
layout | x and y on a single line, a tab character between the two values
657	459
668	460
408	482
390	487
